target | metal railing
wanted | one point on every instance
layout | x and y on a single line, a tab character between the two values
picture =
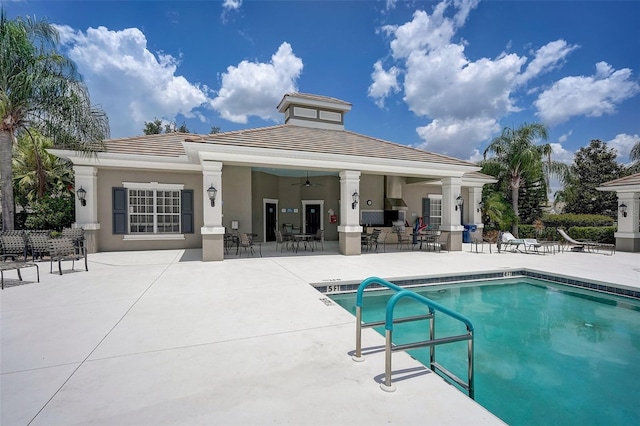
432	342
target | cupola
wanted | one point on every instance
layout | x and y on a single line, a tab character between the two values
320	112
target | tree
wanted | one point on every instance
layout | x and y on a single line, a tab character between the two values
518	160
634	156
214	130
593	165
155	127
41	89
36	172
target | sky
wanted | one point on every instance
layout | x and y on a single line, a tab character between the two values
443	76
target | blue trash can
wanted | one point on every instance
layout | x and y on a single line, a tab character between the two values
466	234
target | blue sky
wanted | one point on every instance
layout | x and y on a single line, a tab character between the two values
442	76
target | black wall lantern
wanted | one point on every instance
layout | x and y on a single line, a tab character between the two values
82	194
211	192
356	198
623	209
480	206
459	202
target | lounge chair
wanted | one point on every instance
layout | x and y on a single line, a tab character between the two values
529	245
590	246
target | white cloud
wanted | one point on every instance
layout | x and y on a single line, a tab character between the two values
463	99
623	144
453	93
231	4
561	154
563	138
546	58
228	7
456	137
129	82
253	88
383	83
476	156
591	96
444	83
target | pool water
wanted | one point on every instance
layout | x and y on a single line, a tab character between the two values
544	353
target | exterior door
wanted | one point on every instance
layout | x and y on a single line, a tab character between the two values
271	221
312	216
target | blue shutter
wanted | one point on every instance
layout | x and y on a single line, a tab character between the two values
119	210
186	202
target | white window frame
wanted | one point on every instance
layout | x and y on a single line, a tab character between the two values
439	198
155	187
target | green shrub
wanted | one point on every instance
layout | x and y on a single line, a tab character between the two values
529	231
567	221
51	213
598	234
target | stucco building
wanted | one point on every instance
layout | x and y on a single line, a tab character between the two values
186	190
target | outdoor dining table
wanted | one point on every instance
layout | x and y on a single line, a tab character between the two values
429	238
304	238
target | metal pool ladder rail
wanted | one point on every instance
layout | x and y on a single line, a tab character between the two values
432	342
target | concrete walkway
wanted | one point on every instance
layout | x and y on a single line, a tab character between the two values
154	338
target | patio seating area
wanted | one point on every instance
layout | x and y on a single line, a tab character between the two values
160	337
17	246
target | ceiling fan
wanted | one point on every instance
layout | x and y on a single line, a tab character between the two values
307	183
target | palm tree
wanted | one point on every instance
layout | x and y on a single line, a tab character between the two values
517	159
634	156
41	89
36	172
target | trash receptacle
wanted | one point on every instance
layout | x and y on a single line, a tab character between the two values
466	234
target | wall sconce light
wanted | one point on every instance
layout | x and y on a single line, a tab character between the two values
82	194
623	209
211	192
480	206
459	202
356	198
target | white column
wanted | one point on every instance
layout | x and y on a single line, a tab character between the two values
451	188
212	215
212	230
475	196
349	216
629	225
86	177
349	229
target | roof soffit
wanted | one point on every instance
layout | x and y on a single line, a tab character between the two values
335	162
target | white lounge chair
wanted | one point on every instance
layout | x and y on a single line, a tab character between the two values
590	246
507	240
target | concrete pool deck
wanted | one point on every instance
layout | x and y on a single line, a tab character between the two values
158	337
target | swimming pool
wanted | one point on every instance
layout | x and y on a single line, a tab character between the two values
544	353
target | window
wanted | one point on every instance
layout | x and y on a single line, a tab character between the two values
152	209
432	211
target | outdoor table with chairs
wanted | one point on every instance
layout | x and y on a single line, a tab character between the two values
429	239
305	239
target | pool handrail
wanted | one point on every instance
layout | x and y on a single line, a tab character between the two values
426	301
432	306
373	280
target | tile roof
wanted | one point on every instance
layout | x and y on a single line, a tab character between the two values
339	142
316	98
624	181
162	145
